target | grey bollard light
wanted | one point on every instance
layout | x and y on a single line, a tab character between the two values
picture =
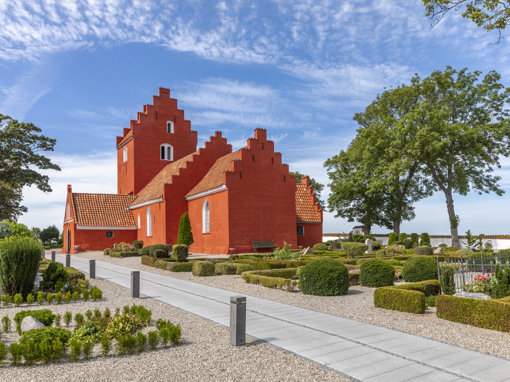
53	254
68	260
237	320
92	269
135	284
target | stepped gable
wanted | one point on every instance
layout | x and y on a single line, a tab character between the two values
308	209
154	188
233	162
150	113
102	210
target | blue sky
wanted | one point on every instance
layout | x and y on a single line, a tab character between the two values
301	69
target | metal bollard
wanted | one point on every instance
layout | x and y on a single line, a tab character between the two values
237	320
92	269
68	260
135	284
53	254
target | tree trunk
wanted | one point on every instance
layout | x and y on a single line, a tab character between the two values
453	220
396	226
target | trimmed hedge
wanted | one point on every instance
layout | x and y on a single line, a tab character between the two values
324	277
202	268
262	264
243	268
423	250
353	249
420	268
180	251
403	300
225	269
180	267
488	314
427	287
272	278
138	244
160	253
320	247
376	273
149	250
120	253
166	264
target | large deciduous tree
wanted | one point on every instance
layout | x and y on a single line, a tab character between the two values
489	14
461	129
21	147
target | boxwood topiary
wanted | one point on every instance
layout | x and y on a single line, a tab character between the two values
225	269
410	301
423	250
420	268
324	277
149	250
181	251
376	273
392	238
160	253
202	268
243	268
353	249
408	243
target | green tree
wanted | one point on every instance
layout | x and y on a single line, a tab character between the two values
489	14
461	129
49	234
317	187
21	145
185	236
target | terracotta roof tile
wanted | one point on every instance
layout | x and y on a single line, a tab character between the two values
103	210
214	177
154	189
306	211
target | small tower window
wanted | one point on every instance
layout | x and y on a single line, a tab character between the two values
124	154
166	152
300	230
139	225
169	127
149	222
205	217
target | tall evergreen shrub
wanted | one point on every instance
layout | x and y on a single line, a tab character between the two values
402	237
415	239
185	235
425	239
19	262
392	238
447	281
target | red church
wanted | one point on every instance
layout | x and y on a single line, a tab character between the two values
233	198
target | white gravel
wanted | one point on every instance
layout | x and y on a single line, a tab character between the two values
204	354
357	305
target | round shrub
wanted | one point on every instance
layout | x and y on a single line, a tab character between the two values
423	250
54	277
408	243
202	268
320	247
376	273
420	268
324	277
354	249
243	268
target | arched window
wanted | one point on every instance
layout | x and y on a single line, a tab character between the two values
205	217
139	225
149	222
166	152
169	127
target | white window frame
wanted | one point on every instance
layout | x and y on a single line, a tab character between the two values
149	222
124	154
170	127
168	152
206	217
139	225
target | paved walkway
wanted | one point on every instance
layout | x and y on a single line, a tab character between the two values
354	349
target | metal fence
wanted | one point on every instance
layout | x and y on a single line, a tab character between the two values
467	268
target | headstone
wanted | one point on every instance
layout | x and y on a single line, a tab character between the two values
438	251
308	251
30	323
476	296
237	320
369	243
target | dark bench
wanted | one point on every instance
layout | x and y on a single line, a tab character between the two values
263	245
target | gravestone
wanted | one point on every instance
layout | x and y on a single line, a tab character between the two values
438	251
369	243
308	251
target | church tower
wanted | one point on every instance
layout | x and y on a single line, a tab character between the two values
159	136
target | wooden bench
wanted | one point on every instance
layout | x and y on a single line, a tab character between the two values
263	245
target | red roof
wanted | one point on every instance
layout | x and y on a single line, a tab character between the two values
214	177
307	211
154	189
102	210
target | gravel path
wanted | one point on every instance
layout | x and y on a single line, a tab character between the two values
204	354
357	305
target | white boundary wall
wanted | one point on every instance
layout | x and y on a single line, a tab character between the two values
435	240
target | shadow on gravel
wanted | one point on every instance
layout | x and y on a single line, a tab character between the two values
355	292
